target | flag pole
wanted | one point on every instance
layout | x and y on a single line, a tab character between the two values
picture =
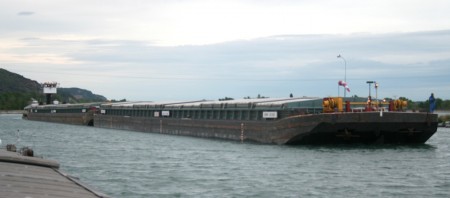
345	71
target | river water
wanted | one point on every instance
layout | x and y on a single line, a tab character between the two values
134	164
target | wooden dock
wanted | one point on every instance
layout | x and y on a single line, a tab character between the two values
23	176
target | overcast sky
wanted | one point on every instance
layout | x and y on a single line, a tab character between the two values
182	49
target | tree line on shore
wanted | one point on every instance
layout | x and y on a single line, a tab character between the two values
18	101
425	105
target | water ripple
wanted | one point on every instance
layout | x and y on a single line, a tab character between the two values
133	164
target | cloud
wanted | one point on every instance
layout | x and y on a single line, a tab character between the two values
206	49
412	58
405	64
175	22
25	13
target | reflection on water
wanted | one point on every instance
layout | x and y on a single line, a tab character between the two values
365	146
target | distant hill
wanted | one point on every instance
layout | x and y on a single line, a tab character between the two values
75	95
16	92
15	83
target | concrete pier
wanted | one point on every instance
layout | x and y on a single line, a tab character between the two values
24	176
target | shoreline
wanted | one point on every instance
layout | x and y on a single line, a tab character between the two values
11	111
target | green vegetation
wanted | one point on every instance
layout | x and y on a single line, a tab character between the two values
15	83
425	105
440	104
16	92
16	101
226	98
77	95
259	97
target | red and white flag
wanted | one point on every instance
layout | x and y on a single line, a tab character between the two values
344	84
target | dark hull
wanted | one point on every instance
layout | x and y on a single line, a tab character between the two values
64	118
367	127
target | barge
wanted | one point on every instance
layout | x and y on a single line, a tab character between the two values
303	120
